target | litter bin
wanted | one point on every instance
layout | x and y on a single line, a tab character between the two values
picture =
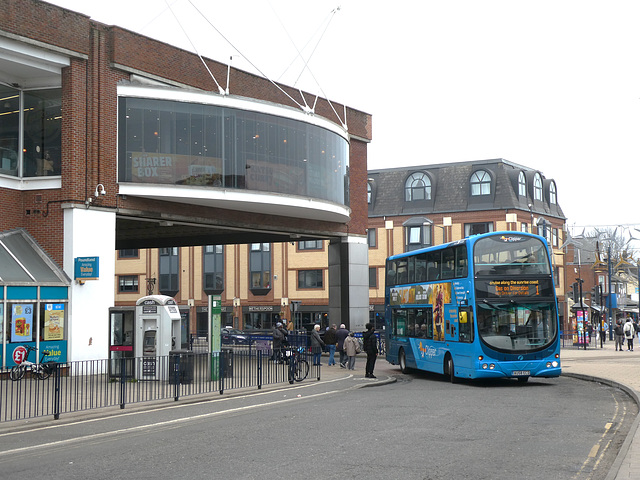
227	362
181	361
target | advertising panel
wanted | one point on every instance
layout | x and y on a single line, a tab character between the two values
54	321
21	322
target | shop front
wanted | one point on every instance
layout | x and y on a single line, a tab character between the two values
34	301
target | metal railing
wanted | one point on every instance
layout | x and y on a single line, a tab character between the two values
86	385
575	339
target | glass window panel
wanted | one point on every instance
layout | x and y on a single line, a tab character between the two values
9	130
42	132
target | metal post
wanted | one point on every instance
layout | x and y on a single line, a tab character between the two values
176	375
584	323
123	368
57	400
609	296
599	293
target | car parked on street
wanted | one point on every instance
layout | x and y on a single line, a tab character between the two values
233	336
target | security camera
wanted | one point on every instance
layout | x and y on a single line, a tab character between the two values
99	190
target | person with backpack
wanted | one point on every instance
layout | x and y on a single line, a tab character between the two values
629	333
370	345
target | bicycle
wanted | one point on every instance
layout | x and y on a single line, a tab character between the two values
298	366
42	370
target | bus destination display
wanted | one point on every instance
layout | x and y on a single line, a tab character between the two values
514	288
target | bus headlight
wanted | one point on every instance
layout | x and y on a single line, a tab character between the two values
484	366
554	364
492	366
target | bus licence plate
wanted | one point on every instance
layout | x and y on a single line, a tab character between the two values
520	373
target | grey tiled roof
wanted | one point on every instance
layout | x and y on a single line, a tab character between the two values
451	192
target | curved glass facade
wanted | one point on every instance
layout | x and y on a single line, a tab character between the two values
178	143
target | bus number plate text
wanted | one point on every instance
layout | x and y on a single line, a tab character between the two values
520	373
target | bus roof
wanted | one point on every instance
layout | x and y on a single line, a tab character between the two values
470	239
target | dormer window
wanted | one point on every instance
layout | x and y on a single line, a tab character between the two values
522	185
480	183
537	187
417	187
553	195
368	193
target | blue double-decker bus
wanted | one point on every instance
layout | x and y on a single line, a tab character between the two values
481	307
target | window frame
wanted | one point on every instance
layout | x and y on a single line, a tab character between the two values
537	187
411	187
122	283
372	237
425	237
310	279
480	183
522	185
553	194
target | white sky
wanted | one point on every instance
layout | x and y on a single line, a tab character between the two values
550	84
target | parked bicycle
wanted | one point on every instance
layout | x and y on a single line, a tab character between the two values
298	366
42	370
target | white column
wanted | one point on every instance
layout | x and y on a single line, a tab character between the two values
90	233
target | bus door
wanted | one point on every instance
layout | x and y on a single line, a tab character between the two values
451	323
465	337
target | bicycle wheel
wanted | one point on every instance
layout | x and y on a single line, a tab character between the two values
302	370
43	372
17	372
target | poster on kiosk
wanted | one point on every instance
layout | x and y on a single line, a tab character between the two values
157	325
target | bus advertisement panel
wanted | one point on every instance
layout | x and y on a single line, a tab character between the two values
482	307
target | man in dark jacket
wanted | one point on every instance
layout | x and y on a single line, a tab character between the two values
279	337
341	334
330	340
370	344
317	345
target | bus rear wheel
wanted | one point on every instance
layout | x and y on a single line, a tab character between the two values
402	361
451	370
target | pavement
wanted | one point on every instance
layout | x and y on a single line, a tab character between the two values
603	365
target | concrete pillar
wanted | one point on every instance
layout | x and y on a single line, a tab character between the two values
349	282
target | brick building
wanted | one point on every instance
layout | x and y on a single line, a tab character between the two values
112	141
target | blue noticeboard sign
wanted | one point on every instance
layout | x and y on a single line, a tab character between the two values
87	268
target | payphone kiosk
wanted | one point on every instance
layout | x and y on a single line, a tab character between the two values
157	333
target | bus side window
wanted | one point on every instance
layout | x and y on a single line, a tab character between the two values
448	263
402	273
433	266
461	262
421	268
391	273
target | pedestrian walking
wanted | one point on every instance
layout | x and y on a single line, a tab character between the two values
331	340
351	348
619	335
370	344
629	333
317	345
341	334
